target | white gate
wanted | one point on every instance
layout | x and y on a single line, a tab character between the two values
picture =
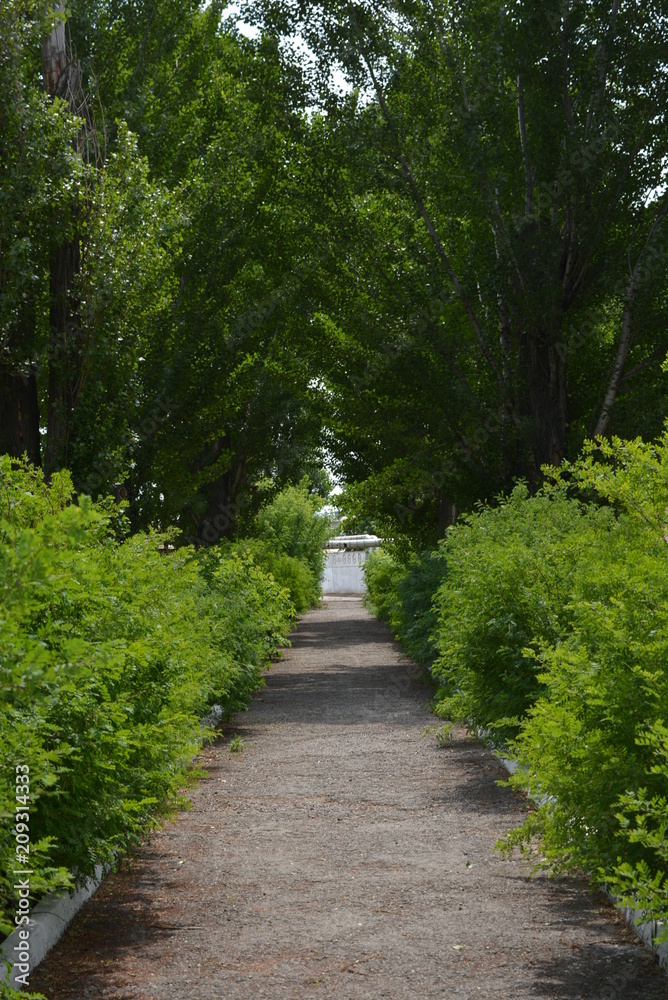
346	554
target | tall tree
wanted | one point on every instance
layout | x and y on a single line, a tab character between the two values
530	143
62	81
236	369
37	167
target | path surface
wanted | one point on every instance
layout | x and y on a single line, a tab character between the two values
343	855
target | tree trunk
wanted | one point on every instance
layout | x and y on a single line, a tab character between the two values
19	402
64	353
222	509
546	385
447	515
62	78
19	414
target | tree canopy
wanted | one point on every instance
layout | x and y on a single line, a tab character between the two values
423	244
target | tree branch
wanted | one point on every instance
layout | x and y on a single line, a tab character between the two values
496	221
528	172
608	212
654	356
620	359
635	280
431	229
602	52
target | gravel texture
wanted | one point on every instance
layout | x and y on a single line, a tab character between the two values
342	854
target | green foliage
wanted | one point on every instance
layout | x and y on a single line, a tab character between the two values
236	745
291	534
128	284
582	744
7	993
39	170
644	821
290	573
552	637
235	368
443	734
402	502
470	321
382	574
293	522
110	653
592	747
511	573
402	594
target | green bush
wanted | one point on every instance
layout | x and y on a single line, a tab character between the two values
293	574
293	523
511	571
643	816
402	594
584	745
382	574
110	653
594	747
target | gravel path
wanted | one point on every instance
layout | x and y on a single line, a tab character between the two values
343	855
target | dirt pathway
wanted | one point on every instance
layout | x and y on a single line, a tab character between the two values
342	855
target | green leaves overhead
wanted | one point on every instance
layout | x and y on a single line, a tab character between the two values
441	273
505	181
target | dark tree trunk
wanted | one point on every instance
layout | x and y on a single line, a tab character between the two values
545	370
62	78
64	353
19	402
447	515
219	520
19	414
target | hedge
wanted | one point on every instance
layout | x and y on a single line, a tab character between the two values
551	636
110	654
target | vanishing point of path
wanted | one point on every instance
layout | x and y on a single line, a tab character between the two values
343	855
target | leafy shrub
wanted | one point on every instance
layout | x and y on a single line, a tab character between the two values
643	817
293	523
416	590
8	993
110	654
511	570
382	574
293	574
552	633
583	745
402	594
594	746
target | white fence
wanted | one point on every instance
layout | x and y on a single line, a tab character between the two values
346	555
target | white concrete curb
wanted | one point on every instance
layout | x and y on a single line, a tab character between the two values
48	920
646	930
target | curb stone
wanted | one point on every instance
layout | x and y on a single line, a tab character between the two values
47	923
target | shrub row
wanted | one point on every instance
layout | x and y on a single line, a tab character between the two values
551	634
110	653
